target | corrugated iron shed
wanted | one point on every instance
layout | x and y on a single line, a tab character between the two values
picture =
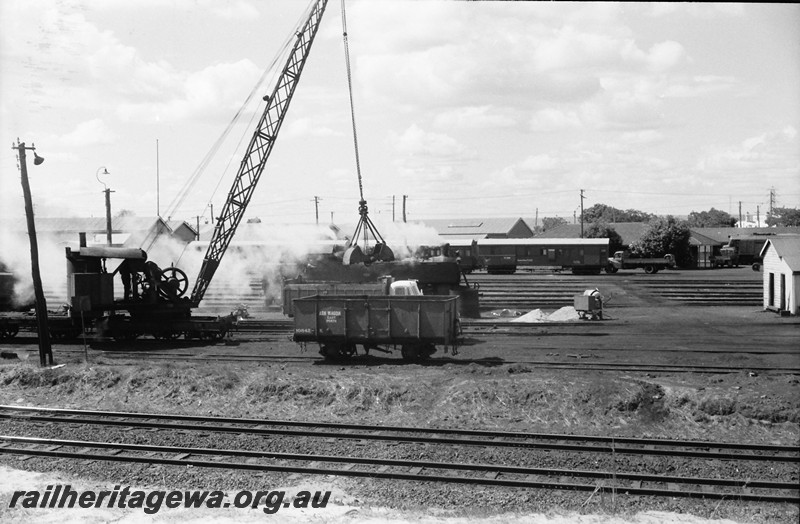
479	228
628	231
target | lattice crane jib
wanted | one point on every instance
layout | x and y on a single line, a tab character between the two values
259	149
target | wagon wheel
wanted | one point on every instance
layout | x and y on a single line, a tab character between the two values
167	335
126	336
649	269
9	331
611	268
332	351
173	282
211	335
416	351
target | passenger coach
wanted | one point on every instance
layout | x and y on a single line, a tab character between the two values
507	255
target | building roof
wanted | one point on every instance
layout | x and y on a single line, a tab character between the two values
699	239
84	224
628	231
722	234
477	228
788	248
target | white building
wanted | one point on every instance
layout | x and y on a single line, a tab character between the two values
782	274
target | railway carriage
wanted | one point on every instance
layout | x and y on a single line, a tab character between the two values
465	252
507	255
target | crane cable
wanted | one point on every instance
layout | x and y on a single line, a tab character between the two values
350	91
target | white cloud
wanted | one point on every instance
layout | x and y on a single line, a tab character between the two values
234	10
757	155
89	133
700	85
415	142
551	119
216	90
306	127
664	55
696	9
645	136
473	117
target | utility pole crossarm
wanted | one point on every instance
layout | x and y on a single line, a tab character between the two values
252	165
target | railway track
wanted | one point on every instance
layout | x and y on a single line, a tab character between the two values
554	291
576	362
355	464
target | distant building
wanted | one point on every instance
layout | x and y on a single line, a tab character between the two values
628	231
782	274
479	228
126	231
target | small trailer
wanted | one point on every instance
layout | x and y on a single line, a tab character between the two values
589	305
415	323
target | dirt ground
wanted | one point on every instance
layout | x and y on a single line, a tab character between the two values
485	393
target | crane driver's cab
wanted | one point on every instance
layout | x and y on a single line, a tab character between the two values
404	288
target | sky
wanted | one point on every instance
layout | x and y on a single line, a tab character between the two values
462	109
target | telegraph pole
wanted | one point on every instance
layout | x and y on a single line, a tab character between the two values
107	191
404	207
316	208
582	197
158	185
740	214
45	349
771	200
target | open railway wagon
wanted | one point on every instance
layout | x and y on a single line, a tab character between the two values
417	324
434	278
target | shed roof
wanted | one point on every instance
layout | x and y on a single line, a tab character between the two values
628	231
722	234
699	239
788	248
475	228
85	224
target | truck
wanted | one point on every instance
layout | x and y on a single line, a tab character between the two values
416	323
727	257
748	248
624	260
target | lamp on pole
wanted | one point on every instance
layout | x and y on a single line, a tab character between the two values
107	191
45	349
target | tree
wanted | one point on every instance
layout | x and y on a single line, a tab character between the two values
711	218
552	222
665	235
604	213
600	229
784	216
125	213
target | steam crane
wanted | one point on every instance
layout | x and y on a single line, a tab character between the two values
258	151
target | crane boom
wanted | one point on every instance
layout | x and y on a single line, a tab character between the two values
257	153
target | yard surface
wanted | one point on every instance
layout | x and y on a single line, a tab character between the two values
484	392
